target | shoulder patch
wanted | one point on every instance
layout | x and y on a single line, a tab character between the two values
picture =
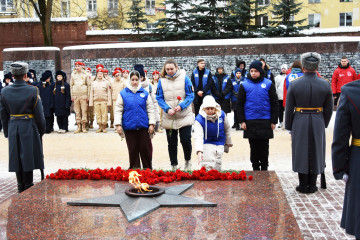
296	79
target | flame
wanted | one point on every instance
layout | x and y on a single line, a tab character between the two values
135	181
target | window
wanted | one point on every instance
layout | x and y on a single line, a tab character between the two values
314	1
113	8
262	21
6	5
65	9
314	19
263	2
345	19
91	5
150	7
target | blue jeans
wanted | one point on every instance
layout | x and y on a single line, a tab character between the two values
185	140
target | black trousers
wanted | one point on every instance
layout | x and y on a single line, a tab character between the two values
139	145
49	124
0	126
281	111
236	117
259	153
185	140
336	99
63	122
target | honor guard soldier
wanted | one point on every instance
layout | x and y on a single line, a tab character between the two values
307	113
345	156
24	124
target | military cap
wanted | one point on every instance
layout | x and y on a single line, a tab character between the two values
310	61
19	68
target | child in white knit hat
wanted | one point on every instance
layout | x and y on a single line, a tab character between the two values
212	134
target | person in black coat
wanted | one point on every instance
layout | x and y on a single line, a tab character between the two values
257	105
223	85
267	71
62	101
242	65
46	88
203	84
33	76
24	124
345	157
8	80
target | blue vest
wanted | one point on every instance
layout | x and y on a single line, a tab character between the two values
257	104
135	115
236	86
291	77
226	78
204	79
212	130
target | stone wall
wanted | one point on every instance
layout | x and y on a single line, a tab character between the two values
215	52
38	58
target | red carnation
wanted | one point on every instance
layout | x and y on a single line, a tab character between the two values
178	98
250	178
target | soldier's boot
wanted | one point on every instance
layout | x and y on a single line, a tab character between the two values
91	125
100	128
112	124
84	128
303	183
20	181
28	180
87	126
104	128
79	128
312	183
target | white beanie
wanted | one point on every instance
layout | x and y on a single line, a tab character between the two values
209	101
284	66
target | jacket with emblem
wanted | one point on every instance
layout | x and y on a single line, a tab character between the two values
79	84
116	87
169	88
341	76
100	92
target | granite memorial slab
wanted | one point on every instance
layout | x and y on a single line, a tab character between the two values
255	209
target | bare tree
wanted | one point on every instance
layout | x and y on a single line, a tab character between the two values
43	9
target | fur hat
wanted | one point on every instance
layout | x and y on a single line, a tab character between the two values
8	76
34	72
257	65
140	69
19	68
63	74
310	61
47	74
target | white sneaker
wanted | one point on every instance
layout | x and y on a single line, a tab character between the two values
174	168
187	165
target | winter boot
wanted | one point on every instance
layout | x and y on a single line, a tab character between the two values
87	126
312	183
303	183
256	167
20	181
238	127
100	128
79	128
112	124
91	125
84	128
104	128
234	126
28	180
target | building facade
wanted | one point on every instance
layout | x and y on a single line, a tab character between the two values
112	14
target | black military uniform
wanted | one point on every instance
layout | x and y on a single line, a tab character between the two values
24	123
308	113
345	158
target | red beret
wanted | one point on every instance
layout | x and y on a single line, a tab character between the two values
99	65
100	70
145	70
155	72
126	71
105	71
88	69
116	72
79	63
118	69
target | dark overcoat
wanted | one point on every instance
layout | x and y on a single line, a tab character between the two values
25	148
62	101
47	98
346	157
308	129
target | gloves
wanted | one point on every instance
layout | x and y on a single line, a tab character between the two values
345	177
157	124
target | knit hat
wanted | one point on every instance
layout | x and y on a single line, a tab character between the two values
256	64
209	101
140	69
310	61
62	73
19	68
237	70
284	66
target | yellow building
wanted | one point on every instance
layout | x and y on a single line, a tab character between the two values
101	14
112	14
321	13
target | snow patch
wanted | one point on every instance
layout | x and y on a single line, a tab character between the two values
31	49
112	32
218	42
330	30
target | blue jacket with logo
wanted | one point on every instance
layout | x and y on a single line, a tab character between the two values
214	133
135	115
236	86
204	79
224	81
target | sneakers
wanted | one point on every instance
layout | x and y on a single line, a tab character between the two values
174	168
61	131
187	165
280	125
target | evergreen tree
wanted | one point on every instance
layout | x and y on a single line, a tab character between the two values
174	26
136	16
283	23
206	19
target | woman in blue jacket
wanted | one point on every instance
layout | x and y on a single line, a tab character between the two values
62	101
134	119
